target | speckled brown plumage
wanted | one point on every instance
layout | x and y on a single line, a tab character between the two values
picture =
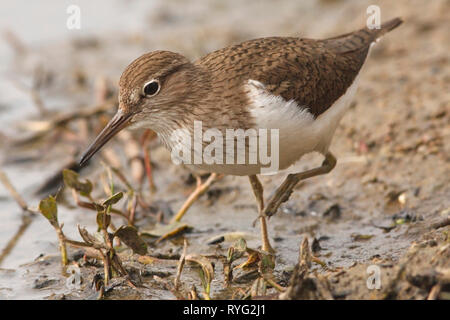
287	84
314	73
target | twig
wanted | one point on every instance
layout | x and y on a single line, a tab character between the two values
132	213
91	206
106	267
64	119
132	152
34	91
180	265
16	44
273	283
26	221
199	190
78	244
443	223
16	196
434	293
122	178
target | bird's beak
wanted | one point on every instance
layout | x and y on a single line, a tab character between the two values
117	123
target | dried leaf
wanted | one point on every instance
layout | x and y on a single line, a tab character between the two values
146	260
166	230
235	252
49	209
71	180
88	238
253	258
361	237
160	262
113	199
130	237
258	288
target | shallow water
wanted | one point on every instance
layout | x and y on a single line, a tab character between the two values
36	24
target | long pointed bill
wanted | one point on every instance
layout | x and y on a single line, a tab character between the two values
117	123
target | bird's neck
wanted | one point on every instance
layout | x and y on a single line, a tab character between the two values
189	104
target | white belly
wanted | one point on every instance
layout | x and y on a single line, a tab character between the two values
300	133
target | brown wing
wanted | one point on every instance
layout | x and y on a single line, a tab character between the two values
314	73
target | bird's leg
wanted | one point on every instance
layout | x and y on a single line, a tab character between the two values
199	190
284	191
258	191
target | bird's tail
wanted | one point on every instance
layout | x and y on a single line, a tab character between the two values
362	38
385	27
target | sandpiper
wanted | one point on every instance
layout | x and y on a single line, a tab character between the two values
300	87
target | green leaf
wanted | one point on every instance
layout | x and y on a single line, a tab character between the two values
361	237
113	199
130	237
207	270
71	179
267	263
103	217
49	209
237	250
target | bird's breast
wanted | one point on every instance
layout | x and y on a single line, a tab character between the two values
282	133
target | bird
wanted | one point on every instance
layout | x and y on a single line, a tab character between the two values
296	88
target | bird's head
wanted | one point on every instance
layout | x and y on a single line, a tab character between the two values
155	92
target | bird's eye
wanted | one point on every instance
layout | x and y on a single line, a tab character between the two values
151	88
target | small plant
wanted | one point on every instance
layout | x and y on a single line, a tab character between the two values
101	242
49	209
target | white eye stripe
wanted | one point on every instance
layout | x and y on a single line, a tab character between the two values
149	89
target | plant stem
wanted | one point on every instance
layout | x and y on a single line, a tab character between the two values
62	244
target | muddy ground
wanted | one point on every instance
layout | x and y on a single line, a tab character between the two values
385	207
